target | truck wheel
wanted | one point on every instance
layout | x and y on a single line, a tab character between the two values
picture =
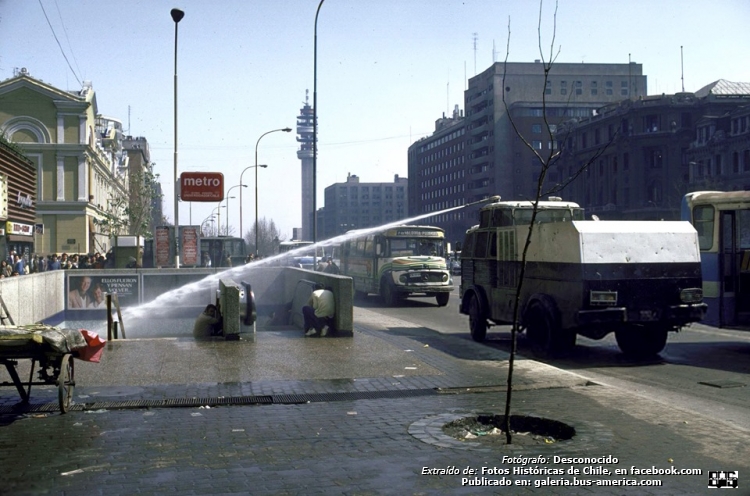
641	341
477	320
546	336
442	299
387	294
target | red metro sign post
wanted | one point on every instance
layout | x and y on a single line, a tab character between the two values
202	186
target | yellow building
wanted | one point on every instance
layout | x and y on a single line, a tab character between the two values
79	167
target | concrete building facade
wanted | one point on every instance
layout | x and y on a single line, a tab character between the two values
355	205
76	174
501	103
636	159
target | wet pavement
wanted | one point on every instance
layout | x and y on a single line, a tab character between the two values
285	414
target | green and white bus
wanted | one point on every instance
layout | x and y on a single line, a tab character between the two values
397	262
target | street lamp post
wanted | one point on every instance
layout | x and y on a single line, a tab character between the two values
209	218
228	197
315	125
286	130
242	235
177	16
218	221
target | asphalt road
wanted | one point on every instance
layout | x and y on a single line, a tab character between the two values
702	369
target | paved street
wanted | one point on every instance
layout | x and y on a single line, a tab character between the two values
290	415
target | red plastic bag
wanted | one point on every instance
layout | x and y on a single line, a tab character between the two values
92	352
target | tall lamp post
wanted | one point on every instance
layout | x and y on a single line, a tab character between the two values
177	16
228	197
286	130
209	218
218	221
315	125
242	235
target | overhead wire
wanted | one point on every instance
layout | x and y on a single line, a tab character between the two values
58	43
67	38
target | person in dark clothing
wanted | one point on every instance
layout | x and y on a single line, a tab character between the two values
208	323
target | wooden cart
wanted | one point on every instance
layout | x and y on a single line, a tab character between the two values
54	367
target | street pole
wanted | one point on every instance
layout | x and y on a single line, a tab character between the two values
230	189
177	16
242	235
286	130
315	125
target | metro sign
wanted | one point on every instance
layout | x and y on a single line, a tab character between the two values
202	186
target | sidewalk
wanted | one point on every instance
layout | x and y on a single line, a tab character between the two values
295	415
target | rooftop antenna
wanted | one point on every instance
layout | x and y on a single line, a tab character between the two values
630	78
494	53
447	97
128	120
682	71
475	36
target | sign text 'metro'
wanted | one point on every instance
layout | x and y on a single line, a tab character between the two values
202	186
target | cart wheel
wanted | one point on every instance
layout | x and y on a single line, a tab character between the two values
66	382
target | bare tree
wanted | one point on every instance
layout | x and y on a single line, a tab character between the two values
268	237
546	161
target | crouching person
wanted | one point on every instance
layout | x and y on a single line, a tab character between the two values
319	311
208	323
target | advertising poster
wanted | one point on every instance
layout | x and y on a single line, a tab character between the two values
89	292
162	247
190	245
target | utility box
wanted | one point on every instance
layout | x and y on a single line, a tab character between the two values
128	252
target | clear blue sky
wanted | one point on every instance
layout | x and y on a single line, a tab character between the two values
386	70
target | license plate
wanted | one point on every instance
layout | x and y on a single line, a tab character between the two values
415	275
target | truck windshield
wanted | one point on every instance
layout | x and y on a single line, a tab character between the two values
522	217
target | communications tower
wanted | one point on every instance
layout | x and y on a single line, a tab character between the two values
305	137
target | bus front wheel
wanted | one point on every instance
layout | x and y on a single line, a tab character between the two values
387	294
442	299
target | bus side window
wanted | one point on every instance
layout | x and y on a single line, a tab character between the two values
703	221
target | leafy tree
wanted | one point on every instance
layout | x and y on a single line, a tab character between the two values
132	214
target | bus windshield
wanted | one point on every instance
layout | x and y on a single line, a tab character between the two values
409	247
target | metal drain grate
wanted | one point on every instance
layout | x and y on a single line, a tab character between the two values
279	399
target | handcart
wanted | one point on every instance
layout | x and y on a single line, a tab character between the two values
52	349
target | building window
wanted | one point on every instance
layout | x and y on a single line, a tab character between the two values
579	91
624	92
594	92
536	128
736	162
746	161
594	84
563	91
654	158
651	123
609	92
609	84
537	145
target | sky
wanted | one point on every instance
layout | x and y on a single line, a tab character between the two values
386	70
